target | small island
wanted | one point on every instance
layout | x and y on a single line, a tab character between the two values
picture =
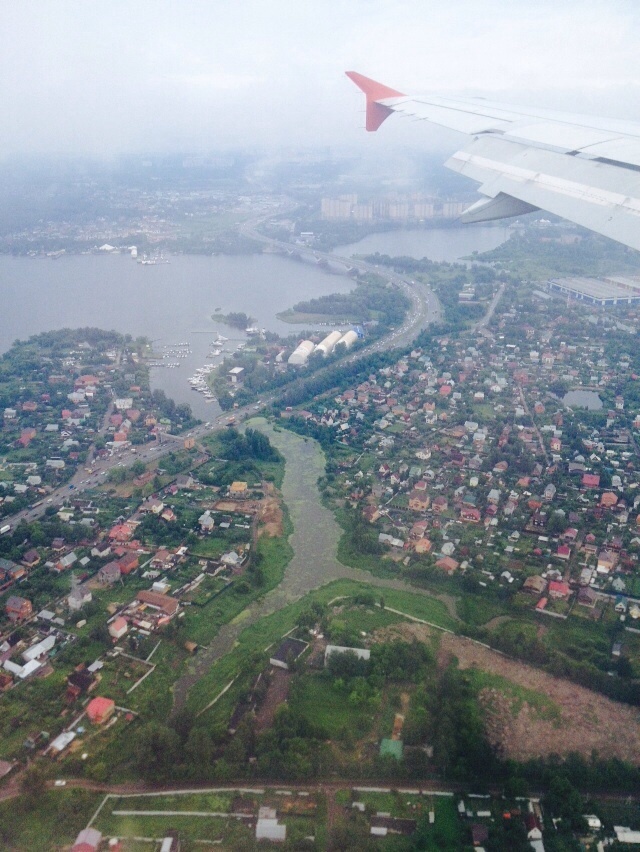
236	319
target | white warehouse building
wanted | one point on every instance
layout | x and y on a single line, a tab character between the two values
300	356
349	338
328	344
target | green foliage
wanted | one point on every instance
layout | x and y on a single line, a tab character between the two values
236	319
33	783
461	750
371	300
157	751
55	821
252	445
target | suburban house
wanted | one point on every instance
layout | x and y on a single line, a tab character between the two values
165	605
558	590
118	628
288	651
419	501
18	609
110	573
206	522
470	514
31	558
128	563
238	490
268	827
447	564
534	585
607	561
79	596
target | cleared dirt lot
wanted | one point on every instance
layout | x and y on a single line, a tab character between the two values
276	695
583	720
270	515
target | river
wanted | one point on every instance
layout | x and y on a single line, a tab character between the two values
314	563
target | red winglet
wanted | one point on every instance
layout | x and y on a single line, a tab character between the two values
374	91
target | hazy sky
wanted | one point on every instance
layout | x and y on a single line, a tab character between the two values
88	77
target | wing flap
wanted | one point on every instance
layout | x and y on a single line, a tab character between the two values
593	194
585	169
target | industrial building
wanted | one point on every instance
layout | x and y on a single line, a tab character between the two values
300	355
614	290
328	344
349	338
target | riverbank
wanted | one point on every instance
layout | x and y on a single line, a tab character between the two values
301	318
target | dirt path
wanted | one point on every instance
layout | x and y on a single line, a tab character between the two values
496	621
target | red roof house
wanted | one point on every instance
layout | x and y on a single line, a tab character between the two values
591	480
128	563
100	709
121	532
558	590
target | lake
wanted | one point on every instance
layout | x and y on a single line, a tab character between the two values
175	302
436	243
168	303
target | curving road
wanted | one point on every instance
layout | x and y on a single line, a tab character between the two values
425	305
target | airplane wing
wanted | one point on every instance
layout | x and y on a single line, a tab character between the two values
583	168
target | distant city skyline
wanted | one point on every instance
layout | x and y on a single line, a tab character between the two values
196	76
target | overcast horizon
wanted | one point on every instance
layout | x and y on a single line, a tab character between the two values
84	79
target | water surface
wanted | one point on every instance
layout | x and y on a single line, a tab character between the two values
583	399
437	244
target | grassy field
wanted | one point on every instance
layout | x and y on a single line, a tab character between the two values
477	610
323	704
53	823
214	801
203	623
419	606
253	642
298	317
445	835
211	548
367	619
226	831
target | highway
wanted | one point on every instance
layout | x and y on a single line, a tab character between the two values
425	305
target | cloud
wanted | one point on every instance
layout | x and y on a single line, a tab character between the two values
89	77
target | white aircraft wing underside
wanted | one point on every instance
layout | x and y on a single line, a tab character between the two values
585	169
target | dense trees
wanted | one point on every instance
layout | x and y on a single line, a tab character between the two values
237	319
252	445
370	300
461	750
